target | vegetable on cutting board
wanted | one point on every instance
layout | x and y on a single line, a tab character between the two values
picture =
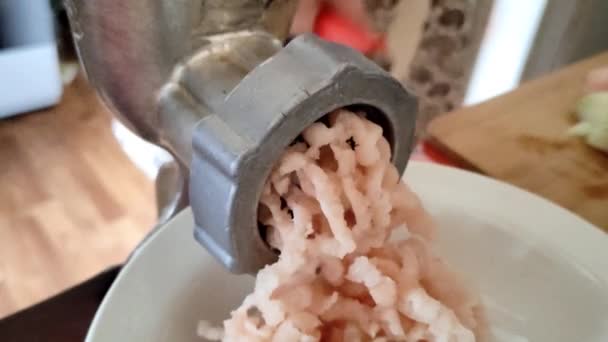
592	112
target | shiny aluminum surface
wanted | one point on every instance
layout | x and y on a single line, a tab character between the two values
236	147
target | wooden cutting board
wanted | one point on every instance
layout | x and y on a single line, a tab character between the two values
520	138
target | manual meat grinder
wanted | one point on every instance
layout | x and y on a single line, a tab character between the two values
211	81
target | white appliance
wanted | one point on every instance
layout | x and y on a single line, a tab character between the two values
30	76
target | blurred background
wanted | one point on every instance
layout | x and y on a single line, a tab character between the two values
78	190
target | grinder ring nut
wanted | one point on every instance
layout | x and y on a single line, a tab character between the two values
235	149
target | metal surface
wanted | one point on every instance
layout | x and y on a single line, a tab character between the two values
236	147
209	81
129	48
199	86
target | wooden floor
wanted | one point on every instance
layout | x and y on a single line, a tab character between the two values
71	202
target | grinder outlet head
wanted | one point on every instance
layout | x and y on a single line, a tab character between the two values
235	148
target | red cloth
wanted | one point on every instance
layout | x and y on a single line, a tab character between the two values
436	155
330	25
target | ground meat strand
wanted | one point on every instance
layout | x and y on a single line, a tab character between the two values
331	206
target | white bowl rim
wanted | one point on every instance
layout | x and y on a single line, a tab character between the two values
576	238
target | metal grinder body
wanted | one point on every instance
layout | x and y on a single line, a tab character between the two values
211	82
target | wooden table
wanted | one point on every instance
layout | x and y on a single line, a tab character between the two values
71	201
520	137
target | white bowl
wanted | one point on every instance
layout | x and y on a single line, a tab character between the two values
542	271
